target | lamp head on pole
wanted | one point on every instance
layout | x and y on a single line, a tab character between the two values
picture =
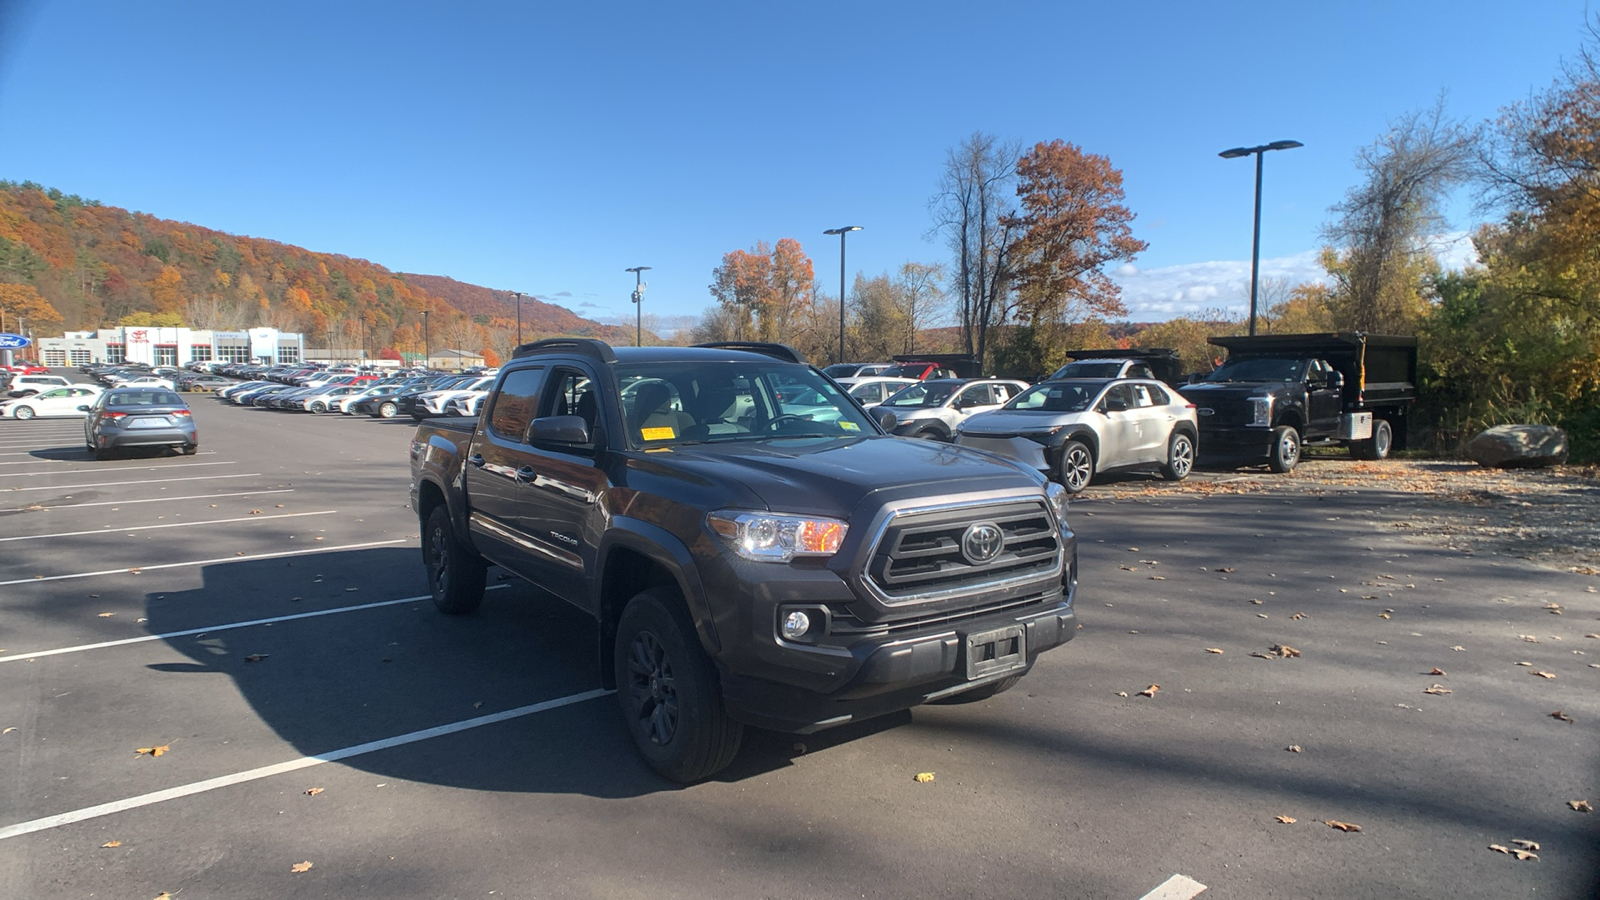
1237	152
843	230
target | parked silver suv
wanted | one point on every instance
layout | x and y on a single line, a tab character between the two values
932	409
1074	428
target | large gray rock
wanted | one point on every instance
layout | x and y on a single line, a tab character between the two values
1519	446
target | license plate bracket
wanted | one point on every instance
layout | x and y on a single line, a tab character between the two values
996	651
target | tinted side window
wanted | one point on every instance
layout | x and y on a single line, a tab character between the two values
1158	395
515	403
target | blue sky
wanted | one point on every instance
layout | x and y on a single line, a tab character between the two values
545	147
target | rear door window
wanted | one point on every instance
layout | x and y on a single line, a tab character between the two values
514	405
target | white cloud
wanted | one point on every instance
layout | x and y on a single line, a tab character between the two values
1169	292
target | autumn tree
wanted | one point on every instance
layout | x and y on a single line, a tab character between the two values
21	301
1073	224
1382	262
974	203
765	290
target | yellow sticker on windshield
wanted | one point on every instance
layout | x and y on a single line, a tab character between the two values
658	434
849	426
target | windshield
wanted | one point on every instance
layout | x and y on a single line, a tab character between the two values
700	402
1259	368
841	370
1057	397
1089	370
925	394
906	370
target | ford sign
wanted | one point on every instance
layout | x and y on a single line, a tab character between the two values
13	342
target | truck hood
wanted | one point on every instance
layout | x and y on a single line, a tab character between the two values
1230	390
833	476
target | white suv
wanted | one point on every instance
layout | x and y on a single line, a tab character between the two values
23	385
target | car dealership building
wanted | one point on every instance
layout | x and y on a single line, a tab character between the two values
171	346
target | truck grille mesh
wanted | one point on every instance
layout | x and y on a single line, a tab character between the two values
919	555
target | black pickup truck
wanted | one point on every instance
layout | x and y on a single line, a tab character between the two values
754	547
1279	392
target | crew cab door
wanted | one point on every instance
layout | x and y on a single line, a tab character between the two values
494	490
1324	401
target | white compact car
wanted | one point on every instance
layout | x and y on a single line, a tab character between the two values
61	401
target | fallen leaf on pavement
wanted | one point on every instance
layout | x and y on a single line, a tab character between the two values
1263	656
1213	650
1543	674
1523	664
312	792
1553	607
1228	569
1126	568
9	730
1287	820
109	844
1526	845
135	570
1530	638
1158	578
153	751
1592	635
256	657
1524	854
107	615
1560	714
1298	616
255	512
1293	748
1122	693
1437	689
1256	602
1580	805
1150	691
301	867
1458	647
1435	671
1342	826
923	777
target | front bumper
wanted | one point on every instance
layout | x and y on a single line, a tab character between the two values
1024	450
1251	440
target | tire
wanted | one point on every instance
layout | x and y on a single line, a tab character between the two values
1284	454
1180	457
978	695
455	573
1076	468
24	412
669	692
928	434
318	408
189	450
1375	447
388	411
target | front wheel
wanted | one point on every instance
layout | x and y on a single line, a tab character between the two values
1377	446
388	411
928	434
670	694
1180	457
318	408
455	573
1077	466
1285	452
24	412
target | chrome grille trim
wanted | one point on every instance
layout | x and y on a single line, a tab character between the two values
915	555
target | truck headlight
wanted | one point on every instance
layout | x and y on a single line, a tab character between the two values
1057	495
778	537
1260	410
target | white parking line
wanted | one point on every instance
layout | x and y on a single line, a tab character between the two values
73	487
151	500
304	762
1178	887
40	654
175	465
110	530
125	570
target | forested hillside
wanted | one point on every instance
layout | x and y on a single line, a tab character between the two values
69	263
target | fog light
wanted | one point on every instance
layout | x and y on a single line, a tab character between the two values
795	626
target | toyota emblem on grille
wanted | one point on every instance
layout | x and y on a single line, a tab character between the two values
982	542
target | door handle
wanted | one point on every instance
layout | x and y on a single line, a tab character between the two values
476	460
526	474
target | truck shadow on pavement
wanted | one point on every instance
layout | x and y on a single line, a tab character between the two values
327	682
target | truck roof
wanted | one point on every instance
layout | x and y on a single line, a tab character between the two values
1330	342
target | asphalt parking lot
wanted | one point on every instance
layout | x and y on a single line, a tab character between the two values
257	612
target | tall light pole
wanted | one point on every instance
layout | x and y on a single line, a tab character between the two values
638	303
1255	242
427	351
519	317
841	232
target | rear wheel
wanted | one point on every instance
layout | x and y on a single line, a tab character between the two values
1076	469
1377	446
388	411
1285	452
1180	457
24	412
319	407
669	692
455	573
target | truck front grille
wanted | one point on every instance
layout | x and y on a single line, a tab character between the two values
919	555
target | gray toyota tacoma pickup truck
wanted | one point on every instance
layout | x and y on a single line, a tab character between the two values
754	555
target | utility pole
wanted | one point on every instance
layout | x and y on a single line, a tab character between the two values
841	232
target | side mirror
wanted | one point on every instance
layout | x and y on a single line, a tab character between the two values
558	430
1336	381
1116	404
83	409
887	420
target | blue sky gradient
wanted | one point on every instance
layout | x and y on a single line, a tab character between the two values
545	147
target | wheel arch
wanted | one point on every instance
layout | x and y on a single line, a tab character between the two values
636	556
